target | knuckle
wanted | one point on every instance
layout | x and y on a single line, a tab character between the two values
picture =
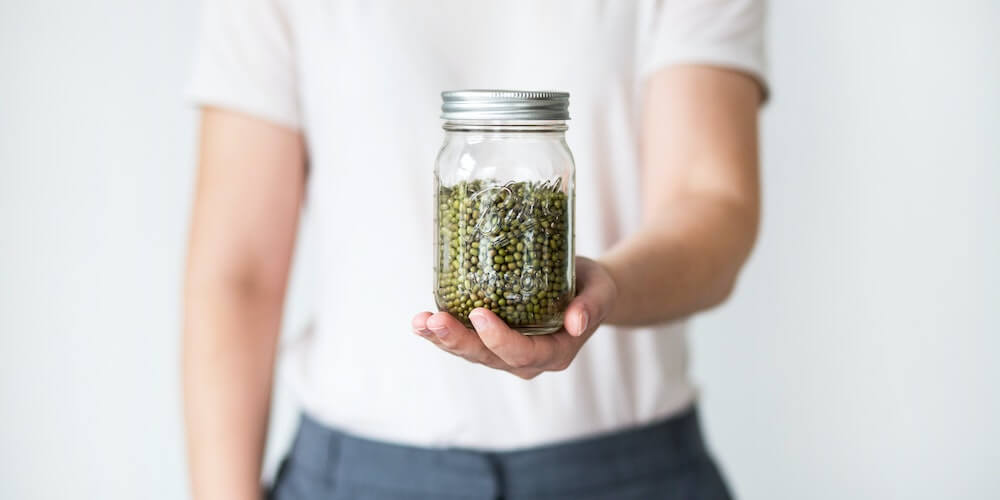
451	343
494	344
519	362
449	347
466	356
560	365
514	364
483	359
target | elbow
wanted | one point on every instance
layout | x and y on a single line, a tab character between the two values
723	284
721	288
250	288
719	293
245	278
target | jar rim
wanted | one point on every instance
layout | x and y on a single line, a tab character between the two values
499	104
505	125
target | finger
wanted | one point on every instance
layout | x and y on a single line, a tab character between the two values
419	324
526	373
518	351
595	291
454	337
577	317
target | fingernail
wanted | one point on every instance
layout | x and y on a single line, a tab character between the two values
440	331
422	332
478	320
584	319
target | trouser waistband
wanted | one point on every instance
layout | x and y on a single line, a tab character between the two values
557	469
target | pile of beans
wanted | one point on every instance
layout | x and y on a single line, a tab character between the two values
504	247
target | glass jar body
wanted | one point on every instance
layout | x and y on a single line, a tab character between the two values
504	223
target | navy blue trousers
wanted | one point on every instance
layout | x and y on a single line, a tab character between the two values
665	460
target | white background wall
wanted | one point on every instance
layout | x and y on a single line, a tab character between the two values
856	360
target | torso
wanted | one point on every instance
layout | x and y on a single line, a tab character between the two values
370	77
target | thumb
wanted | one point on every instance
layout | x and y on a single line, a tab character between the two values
596	293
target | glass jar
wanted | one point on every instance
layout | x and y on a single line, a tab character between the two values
504	190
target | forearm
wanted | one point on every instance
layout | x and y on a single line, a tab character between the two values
250	188
700	196
228	358
682	262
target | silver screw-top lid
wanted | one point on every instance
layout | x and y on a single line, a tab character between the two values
504	105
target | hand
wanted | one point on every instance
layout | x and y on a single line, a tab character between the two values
498	346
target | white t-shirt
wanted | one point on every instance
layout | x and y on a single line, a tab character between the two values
362	80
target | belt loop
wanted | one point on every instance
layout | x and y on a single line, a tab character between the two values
499	473
334	444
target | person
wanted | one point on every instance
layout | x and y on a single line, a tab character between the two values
330	109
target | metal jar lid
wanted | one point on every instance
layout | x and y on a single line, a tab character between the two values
504	105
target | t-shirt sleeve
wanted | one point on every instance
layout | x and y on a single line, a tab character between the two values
725	33
245	61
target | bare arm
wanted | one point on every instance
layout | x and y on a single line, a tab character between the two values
250	187
700	198
700	207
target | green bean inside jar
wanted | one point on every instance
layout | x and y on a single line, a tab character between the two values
504	186
504	247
